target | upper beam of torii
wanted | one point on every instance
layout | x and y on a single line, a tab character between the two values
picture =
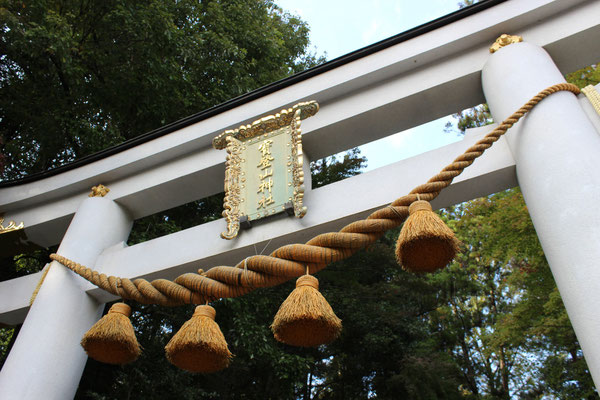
386	88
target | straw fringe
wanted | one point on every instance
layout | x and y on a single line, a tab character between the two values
199	346
289	261
426	243
305	318
112	339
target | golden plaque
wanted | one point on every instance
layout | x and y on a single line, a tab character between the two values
264	168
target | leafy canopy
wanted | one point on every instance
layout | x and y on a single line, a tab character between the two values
79	76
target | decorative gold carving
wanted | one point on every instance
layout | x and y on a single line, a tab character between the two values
99	191
12	226
505	40
265	186
243	145
233	173
593	96
297	166
267	124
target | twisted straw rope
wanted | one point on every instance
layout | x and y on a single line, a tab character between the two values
593	96
292	260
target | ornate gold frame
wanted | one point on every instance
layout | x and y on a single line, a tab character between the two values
233	142
233	179
12	226
504	40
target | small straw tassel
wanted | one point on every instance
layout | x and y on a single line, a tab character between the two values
425	243
305	318
112	339
199	346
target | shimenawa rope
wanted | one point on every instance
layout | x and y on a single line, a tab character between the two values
290	261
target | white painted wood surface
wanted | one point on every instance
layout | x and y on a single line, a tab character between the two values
557	154
46	361
403	86
411	83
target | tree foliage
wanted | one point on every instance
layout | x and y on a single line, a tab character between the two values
80	76
502	316
383	352
490	326
76	77
333	169
583	77
470	118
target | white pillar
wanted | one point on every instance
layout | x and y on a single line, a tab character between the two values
557	154
46	361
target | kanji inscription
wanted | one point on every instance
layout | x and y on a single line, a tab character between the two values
264	169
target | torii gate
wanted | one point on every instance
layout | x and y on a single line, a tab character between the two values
402	82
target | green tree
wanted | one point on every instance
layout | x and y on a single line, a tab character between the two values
455	334
384	351
77	77
472	117
585	76
331	169
262	367
501	315
503	318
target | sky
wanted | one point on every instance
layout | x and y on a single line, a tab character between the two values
339	27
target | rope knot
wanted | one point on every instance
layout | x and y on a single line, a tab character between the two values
121	308
205	311
419	205
308	280
286	261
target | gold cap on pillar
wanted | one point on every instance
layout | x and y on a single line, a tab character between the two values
505	40
99	191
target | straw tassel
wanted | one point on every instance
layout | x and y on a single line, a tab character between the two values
305	318
199	346
112	339
425	243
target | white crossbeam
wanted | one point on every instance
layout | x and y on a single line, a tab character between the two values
330	208
413	82
393	89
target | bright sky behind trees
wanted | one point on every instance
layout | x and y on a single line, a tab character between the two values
339	27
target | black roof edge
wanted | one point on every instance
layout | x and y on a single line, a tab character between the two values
262	91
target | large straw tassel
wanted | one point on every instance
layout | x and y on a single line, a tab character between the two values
112	339
426	243
305	318
199	346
